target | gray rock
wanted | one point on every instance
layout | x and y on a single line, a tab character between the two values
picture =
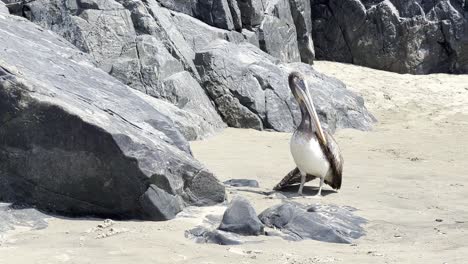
402	36
327	223
240	218
252	12
12	217
203	235
198	34
150	18
302	15
3	9
213	12
182	90
242	183
254	92
277	33
74	140
192	126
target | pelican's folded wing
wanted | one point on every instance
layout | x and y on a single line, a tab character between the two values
333	154
293	177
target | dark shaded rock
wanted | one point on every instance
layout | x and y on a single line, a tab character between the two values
204	235
74	140
213	12
327	223
236	14
240	218
254	92
277	33
252	12
242	183
159	204
402	36
302	16
11	217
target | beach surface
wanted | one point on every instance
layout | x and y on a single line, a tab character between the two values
408	177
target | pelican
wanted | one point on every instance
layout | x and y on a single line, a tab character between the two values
314	151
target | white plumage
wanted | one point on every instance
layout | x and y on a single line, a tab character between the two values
308	155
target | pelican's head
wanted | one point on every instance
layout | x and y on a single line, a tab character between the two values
298	87
300	91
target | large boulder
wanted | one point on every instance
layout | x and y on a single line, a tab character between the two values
75	140
133	41
402	36
250	90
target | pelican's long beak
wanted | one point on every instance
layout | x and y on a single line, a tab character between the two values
311	109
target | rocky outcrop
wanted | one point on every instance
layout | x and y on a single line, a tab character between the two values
402	36
75	140
154	50
250	90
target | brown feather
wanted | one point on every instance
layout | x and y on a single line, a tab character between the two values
293	177
333	154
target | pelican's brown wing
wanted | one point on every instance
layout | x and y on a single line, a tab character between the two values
333	154
293	177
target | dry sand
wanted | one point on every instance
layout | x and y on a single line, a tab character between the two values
409	171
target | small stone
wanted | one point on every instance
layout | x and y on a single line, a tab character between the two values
240	218
439	220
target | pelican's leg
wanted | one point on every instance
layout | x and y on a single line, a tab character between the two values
320	187
303	179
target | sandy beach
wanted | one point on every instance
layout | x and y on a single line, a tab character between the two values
407	177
